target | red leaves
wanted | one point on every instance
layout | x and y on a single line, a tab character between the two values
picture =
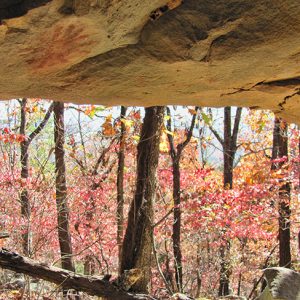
6	130
240	211
8	136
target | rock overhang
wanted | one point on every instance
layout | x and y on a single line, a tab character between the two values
136	52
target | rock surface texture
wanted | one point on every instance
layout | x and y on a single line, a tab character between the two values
137	52
283	284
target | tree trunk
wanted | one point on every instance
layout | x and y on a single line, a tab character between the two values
24	147
61	189
175	153
227	182
177	224
24	198
120	186
229	151
68	280
137	245
280	150
199	276
225	269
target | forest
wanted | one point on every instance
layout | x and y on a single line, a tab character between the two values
145	203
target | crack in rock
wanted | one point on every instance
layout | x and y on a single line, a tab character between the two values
242	89
288	97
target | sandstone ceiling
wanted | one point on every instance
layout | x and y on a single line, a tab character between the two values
153	52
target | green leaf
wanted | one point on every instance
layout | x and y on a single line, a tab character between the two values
206	118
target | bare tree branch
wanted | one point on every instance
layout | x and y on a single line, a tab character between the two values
189	135
163	218
215	133
101	157
42	124
180	147
168	286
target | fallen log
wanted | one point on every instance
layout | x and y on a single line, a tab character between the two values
91	285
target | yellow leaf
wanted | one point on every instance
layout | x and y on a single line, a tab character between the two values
136	138
163	147
127	123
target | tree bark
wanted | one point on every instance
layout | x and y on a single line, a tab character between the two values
228	151
24	198
61	189
280	150
175	153
137	245
225	270
68	280
120	186
176	236
229	144
24	147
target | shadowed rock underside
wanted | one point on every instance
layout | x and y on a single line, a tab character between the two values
136	52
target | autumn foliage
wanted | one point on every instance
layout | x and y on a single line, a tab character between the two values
247	215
